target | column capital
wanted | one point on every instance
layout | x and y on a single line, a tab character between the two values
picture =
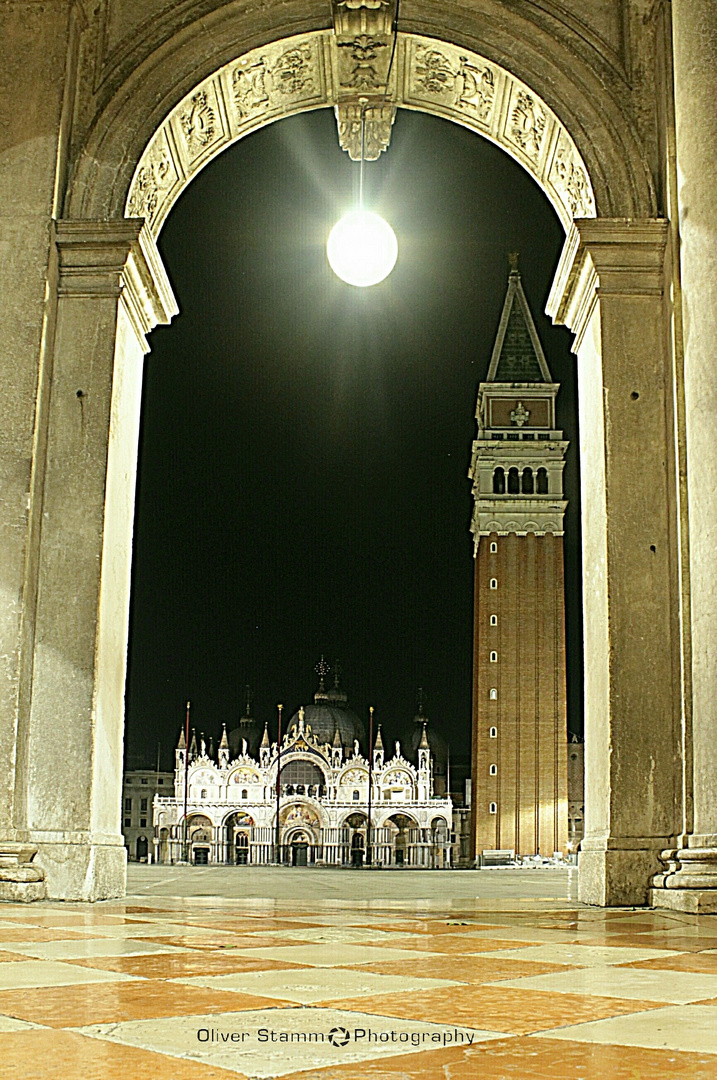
115	259
605	257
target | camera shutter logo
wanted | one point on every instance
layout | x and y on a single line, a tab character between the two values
339	1036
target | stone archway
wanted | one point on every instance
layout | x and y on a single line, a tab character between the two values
556	106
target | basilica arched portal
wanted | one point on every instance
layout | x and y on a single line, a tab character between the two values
556	101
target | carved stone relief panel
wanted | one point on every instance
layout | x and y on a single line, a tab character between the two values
436	76
275	81
156	177
569	180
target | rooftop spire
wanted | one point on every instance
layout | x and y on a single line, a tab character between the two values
182	744
265	744
322	669
224	744
420	717
517	354
423	744
193	744
378	745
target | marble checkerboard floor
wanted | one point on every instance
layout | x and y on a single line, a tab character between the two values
327	981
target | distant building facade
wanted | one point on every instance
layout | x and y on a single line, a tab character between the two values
519	770
323	803
139	788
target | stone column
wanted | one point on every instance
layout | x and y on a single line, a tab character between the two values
39	45
111	290
690	883
609	291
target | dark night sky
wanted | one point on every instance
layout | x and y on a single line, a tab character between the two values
302	484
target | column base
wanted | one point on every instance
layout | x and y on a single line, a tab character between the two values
83	871
21	881
692	901
688	881
614	874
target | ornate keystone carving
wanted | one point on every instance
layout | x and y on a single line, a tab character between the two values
363	52
377	130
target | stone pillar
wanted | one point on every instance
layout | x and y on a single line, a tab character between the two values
690	882
609	290
39	45
111	290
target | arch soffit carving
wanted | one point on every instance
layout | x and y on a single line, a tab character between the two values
296	75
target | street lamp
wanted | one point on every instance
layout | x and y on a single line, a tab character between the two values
362	247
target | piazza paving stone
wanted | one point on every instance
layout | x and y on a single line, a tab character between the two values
87	947
306	1043
336	955
678	1027
526	1059
29	973
676	987
318	984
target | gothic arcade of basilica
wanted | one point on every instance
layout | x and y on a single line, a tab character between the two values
323	795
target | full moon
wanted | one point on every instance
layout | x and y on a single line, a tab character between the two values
362	248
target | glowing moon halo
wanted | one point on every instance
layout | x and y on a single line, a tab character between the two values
362	248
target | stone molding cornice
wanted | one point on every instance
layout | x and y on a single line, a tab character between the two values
115	259
603	258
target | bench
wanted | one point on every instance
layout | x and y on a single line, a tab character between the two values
498	857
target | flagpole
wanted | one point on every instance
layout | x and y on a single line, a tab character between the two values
278	786
370	785
186	780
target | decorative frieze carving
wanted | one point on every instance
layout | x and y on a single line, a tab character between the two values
462	86
155	177
569	179
199	123
348	68
527	124
249	88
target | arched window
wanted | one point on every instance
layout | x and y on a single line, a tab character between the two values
493	770
494	658
493	694
357	796
493	808
527	481
499	481
494	583
203	794
493	547
494	733
244	793
542	481
494	620
513	482
299	772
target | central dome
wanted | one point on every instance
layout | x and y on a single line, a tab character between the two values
330	712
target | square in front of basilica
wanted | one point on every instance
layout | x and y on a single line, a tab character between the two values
356	975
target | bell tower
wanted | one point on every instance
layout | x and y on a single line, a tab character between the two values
519	744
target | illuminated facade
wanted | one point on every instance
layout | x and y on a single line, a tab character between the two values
231	814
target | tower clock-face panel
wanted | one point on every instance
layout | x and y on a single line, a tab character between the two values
502	412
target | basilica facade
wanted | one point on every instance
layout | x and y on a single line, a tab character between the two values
327	795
